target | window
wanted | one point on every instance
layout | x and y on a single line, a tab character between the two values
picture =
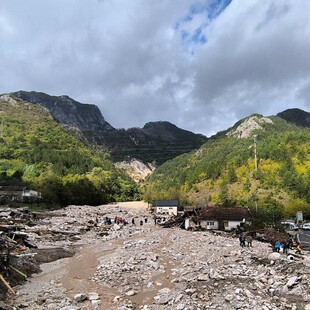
210	223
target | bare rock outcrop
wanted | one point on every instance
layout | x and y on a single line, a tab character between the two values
248	126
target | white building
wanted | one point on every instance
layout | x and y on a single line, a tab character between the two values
218	218
166	207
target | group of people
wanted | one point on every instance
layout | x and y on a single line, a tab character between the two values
285	245
141	221
120	221
245	240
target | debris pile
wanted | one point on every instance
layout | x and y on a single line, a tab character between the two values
15	264
151	268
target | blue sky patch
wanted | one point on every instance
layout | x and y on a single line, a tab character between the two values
210	11
217	7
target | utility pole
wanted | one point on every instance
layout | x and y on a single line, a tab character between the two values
255	153
1	130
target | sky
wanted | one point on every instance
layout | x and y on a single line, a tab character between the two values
201	65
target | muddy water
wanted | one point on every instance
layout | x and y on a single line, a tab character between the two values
73	275
79	272
81	268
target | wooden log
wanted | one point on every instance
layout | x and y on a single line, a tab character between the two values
18	271
7	285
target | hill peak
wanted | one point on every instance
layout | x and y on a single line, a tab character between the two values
67	111
246	127
296	116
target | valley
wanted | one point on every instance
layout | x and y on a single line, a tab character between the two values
150	267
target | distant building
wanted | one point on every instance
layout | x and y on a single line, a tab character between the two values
218	218
166	207
18	194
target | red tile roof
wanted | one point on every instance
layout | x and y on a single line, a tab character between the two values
224	213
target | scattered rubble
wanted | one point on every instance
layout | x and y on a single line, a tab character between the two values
151	267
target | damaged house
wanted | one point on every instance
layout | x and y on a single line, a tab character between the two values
18	194
218	218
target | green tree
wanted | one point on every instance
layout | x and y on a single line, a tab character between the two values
232	176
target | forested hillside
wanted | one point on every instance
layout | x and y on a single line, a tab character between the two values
36	151
155	143
223	170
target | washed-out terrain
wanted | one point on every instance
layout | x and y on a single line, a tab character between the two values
150	267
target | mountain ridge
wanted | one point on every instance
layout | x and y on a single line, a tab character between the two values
155	142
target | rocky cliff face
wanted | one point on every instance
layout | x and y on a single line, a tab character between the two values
68	111
136	168
246	128
155	142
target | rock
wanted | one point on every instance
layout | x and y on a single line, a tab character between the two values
93	296
178	298
214	274
80	297
162	299
95	303
307	307
40	300
203	277
70	308
296	291
291	282
130	293
190	291
248	293
229	297
274	256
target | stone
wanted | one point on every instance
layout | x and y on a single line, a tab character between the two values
291	282
274	256
229	297
165	290
203	277
70	308
178	298
214	274
296	291
93	296
130	293
80	297
162	299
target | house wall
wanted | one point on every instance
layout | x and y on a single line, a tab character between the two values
209	224
31	193
204	224
232	224
167	210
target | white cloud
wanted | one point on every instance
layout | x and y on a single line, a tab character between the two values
145	60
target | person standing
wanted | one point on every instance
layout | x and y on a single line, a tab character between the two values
248	239
242	240
298	248
277	246
285	247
